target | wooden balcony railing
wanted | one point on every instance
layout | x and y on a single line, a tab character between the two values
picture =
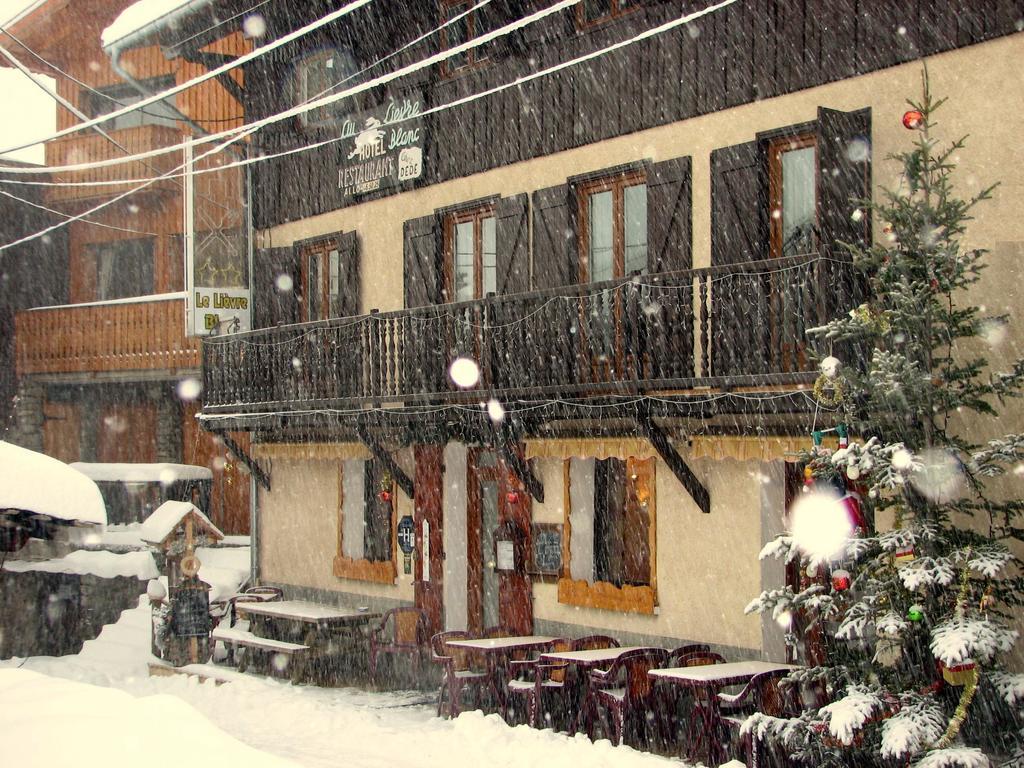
91	147
737	325
112	336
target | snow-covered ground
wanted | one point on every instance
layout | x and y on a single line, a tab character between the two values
101	708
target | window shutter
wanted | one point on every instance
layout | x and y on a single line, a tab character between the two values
636	537
422	257
844	177
513	258
668	216
555	256
739	233
350	288
739	216
271	305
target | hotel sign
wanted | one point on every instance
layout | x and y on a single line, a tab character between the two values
382	147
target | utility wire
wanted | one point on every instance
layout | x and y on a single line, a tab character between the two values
209	75
302	108
68	216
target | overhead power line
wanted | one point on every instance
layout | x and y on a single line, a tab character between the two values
209	75
302	108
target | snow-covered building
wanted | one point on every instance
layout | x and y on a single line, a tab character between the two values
529	320
106	371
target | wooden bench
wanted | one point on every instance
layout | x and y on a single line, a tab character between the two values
235	636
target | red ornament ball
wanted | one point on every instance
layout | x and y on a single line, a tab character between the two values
913	119
512	497
840	580
385	495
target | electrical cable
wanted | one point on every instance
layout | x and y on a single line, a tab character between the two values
209	75
447	105
297	110
84	221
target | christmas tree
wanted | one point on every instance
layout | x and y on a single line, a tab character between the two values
908	582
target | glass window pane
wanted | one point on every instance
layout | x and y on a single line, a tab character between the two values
601	254
595	9
489	255
798	203
456	33
313	284
334	286
465	282
635	228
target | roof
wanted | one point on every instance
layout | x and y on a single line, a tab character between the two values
142	473
142	14
34	482
165	518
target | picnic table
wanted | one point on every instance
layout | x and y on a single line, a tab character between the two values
594	658
710	679
318	631
496	652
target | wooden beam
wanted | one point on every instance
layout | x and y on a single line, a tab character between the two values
253	466
518	464
673	460
212	61
404	481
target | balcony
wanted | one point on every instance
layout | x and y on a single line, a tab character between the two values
741	325
134	335
91	147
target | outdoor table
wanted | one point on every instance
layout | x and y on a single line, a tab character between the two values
496	651
711	678
594	658
312	624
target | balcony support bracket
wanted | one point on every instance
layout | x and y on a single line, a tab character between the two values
251	464
519	466
386	459
673	460
212	61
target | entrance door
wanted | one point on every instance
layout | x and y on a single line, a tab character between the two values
482	518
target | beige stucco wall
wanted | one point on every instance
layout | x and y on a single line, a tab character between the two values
707	566
298	530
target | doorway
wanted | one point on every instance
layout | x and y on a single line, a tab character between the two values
483	513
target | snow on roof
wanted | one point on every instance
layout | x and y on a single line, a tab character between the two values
137	16
142	473
106	565
34	482
165	518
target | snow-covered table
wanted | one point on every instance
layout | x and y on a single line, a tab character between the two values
326	629
497	651
712	678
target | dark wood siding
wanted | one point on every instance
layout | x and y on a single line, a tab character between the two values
751	50
513	232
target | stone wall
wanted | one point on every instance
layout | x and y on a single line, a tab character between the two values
53	614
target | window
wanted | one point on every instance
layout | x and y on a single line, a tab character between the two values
124	268
471	253
613	216
105	100
321	281
593	11
792	190
315	76
611	524
365	529
463	28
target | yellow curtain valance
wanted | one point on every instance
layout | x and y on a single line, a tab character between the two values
310	451
599	448
773	448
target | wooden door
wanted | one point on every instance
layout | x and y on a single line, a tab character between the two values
229	495
428	519
61	429
127	434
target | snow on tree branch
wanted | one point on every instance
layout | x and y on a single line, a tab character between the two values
954	757
916	725
1009	686
992	461
850	713
962	638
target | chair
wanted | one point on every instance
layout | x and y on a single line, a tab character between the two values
401	631
594	642
532	678
675	655
456	672
762	694
683	706
626	691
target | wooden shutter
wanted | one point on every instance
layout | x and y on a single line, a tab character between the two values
513	258
668	216
422	262
377	515
637	525
739	216
271	305
739	233
349	284
555	256
844	177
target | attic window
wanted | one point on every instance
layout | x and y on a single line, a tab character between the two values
321	74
